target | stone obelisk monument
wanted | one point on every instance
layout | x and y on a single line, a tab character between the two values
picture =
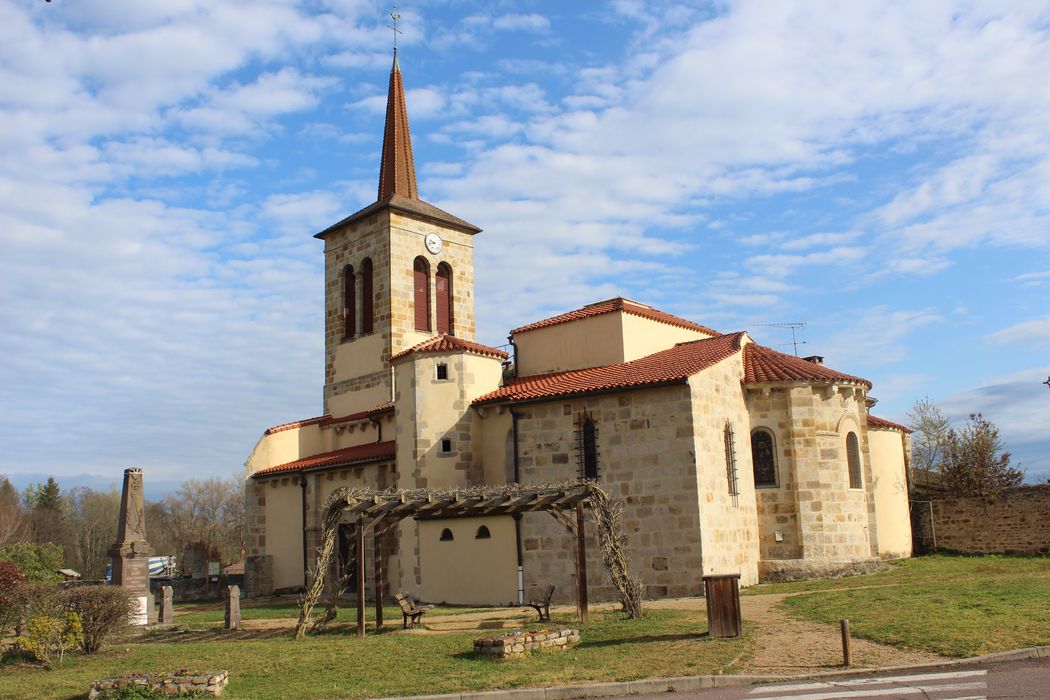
131	551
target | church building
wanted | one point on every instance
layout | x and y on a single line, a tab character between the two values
729	457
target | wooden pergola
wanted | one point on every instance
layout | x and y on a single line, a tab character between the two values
377	511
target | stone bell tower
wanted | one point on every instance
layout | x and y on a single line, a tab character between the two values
397	273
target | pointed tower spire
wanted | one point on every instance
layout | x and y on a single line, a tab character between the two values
397	174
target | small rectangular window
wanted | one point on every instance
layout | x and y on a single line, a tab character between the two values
446	446
731	474
442	371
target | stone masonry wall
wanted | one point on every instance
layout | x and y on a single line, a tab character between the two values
646	458
1015	522
728	522
777	505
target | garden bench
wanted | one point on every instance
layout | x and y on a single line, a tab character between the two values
543	605
410	612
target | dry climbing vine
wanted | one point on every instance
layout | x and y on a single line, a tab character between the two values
608	517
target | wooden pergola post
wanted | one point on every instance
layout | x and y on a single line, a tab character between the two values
581	564
377	564
360	563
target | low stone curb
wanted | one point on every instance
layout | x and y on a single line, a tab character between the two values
649	686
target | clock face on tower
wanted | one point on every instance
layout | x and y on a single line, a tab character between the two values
433	243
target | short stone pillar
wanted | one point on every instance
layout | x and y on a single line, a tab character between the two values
233	607
167	609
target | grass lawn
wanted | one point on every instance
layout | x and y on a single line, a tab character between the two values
950	605
197	614
337	664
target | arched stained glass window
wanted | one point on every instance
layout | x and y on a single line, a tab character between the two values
853	460
763	457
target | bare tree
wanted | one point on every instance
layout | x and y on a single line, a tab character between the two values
929	439
92	521
210	511
13	525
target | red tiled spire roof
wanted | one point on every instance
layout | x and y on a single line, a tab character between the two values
450	343
883	424
397	174
617	304
672	366
762	364
369	452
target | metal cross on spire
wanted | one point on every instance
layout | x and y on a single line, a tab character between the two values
395	17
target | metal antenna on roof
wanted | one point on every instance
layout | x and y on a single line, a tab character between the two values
395	16
796	325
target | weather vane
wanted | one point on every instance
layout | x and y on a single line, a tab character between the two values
395	16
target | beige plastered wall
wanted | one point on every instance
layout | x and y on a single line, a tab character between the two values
728	524
595	341
888	449
646	459
427	410
467	570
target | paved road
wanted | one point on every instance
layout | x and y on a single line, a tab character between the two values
1017	679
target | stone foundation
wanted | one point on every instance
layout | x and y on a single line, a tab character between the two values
775	570
181	682
517	645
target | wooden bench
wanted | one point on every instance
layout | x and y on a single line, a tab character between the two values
410	612
543	605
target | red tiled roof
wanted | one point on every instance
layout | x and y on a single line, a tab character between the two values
450	343
617	304
369	452
294	424
762	364
674	365
329	420
883	424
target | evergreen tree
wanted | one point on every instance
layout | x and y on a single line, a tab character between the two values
974	462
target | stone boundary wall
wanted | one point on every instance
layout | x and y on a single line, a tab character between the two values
1015	522
517	645
181	682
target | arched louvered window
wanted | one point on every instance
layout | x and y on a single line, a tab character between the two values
589	449
443	292
421	293
853	461
349	301
367	297
763	457
446	535
483	533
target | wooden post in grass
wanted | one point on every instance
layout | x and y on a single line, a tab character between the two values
581	564
377	565
360	563
847	644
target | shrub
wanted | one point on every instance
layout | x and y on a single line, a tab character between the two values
38	562
103	610
48	637
10	579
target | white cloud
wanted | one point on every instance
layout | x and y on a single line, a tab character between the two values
1033	332
528	23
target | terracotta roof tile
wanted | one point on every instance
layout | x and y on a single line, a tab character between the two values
294	424
330	420
450	343
883	424
369	452
762	364
674	365
397	172
617	304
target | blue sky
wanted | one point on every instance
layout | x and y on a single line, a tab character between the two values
878	170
